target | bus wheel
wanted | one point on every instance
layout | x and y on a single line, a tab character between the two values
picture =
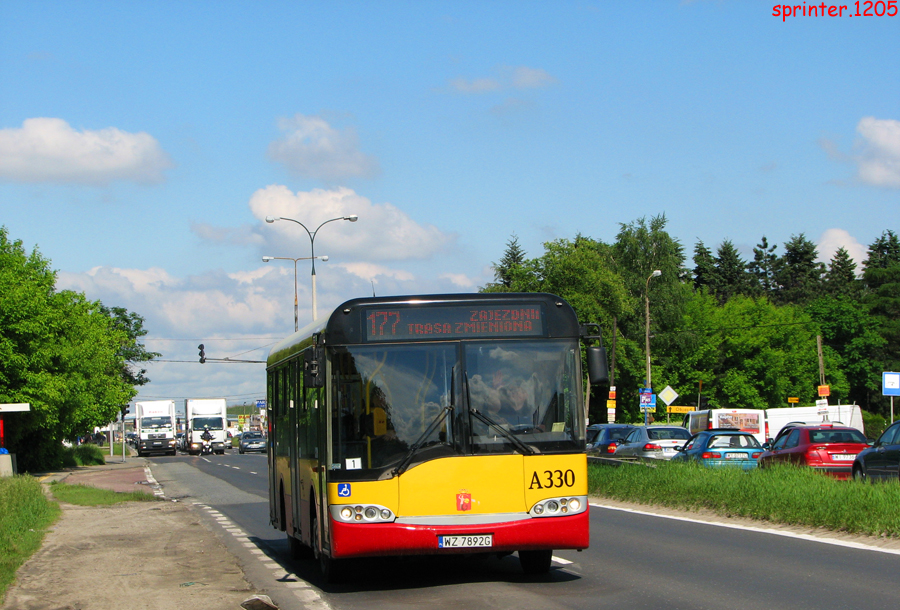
535	562
331	569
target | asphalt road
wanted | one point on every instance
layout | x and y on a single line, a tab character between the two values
635	561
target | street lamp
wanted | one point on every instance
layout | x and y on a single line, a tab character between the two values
266	259
312	245
656	273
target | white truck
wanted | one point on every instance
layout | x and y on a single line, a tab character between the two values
154	424
205	414
766	424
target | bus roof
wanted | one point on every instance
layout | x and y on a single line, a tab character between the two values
341	327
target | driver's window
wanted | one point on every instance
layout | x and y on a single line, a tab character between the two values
793	439
889	436
779	443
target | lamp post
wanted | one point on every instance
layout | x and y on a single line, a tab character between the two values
656	273
312	245
266	259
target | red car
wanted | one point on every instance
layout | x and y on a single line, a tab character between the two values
826	447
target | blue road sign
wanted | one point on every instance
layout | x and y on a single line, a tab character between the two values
890	384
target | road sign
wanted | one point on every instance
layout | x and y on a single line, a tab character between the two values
822	402
680	409
260	404
824	390
668	395
793	399
890	384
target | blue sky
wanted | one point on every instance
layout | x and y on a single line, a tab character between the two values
143	144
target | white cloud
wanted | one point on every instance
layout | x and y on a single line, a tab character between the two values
832	239
311	148
383	232
518	77
460	280
370	271
879	163
49	150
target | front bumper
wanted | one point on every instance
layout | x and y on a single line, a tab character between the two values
381	539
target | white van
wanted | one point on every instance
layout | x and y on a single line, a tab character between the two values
847	415
746	420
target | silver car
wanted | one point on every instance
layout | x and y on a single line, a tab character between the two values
653	442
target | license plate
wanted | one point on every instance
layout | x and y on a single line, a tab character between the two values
465	542
668	450
843	457
735	456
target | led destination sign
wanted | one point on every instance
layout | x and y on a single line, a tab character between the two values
461	322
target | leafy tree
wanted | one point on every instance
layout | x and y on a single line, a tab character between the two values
59	352
748	352
881	277
852	334
132	351
641	247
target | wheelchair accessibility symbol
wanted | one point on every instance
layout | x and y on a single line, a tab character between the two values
344	490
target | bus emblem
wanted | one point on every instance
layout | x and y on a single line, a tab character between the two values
464	501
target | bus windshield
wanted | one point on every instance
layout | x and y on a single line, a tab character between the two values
529	389
400	404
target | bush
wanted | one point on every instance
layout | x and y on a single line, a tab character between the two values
874	424
83	455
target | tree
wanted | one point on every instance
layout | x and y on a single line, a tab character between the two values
504	271
881	277
705	274
762	269
59	352
731	271
132	351
840	279
798	274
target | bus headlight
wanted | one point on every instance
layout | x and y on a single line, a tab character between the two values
356	513
559	507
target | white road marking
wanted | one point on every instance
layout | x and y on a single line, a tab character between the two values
759	530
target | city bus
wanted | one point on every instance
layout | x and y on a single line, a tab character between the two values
434	424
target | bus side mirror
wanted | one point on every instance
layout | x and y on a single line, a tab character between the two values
314	367
598	369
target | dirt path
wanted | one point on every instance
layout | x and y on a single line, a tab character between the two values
139	555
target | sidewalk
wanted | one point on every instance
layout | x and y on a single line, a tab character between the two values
157	554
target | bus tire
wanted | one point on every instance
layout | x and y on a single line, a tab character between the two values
331	569
535	562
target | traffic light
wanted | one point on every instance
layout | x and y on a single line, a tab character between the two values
202	354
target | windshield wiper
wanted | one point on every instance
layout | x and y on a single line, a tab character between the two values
527	449
401	468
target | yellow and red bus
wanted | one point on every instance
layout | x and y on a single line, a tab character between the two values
432	424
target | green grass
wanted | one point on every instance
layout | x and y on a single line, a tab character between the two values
796	496
25	515
85	495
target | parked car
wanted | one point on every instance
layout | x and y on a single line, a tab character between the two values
603	439
653	442
828	448
721	447
882	459
252	441
179	441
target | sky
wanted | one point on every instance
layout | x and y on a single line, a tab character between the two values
143	144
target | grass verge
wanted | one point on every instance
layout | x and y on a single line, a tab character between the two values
25	515
788	495
85	495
